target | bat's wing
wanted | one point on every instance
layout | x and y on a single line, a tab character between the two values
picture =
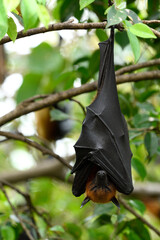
104	137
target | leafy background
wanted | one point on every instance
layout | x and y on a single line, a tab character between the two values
58	63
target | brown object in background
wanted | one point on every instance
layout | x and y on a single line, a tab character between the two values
153	206
52	130
2	64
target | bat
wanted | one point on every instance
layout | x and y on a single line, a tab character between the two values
103	144
52	130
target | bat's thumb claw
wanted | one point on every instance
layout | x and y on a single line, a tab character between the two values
86	200
115	201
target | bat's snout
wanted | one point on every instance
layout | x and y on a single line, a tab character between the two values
101	174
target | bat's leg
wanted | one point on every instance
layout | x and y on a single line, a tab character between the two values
86	200
115	201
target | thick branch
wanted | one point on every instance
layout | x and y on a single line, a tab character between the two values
39	147
47	168
55	27
126	206
27	106
65	26
51	168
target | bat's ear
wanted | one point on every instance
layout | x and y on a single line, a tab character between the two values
115	201
86	200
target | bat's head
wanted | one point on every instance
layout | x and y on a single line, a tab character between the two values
101	178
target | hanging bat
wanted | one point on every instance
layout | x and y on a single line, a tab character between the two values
103	155
52	130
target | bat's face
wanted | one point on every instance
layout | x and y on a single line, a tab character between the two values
101	178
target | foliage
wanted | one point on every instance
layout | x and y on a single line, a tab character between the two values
58	65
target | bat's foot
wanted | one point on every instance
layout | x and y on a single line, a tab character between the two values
115	201
86	200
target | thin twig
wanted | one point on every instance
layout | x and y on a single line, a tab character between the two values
151	21
41	216
44	150
80	104
126	206
155	32
24	108
28	200
16	213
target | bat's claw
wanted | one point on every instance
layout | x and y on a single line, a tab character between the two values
115	201
86	200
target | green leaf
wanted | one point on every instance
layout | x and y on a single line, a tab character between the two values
132	235
74	230
12	29
146	94
101	34
142	30
101	220
142	120
138	205
115	16
84	3
133	16
45	59
43	15
151	143
114	218
134	45
43	2
3	20
94	63
139	167
107	10
57	228
139	228
8	233
133	41
108	209
121	5
58	115
29	10
29	87
10	5
83	74
64	81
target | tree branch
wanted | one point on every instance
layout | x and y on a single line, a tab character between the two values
54	169
36	145
29	204
155	32
47	168
151	21
54	27
126	206
27	106
138	66
16	213
67	25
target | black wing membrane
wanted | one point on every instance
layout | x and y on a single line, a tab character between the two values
104	137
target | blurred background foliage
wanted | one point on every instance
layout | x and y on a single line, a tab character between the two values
57	61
